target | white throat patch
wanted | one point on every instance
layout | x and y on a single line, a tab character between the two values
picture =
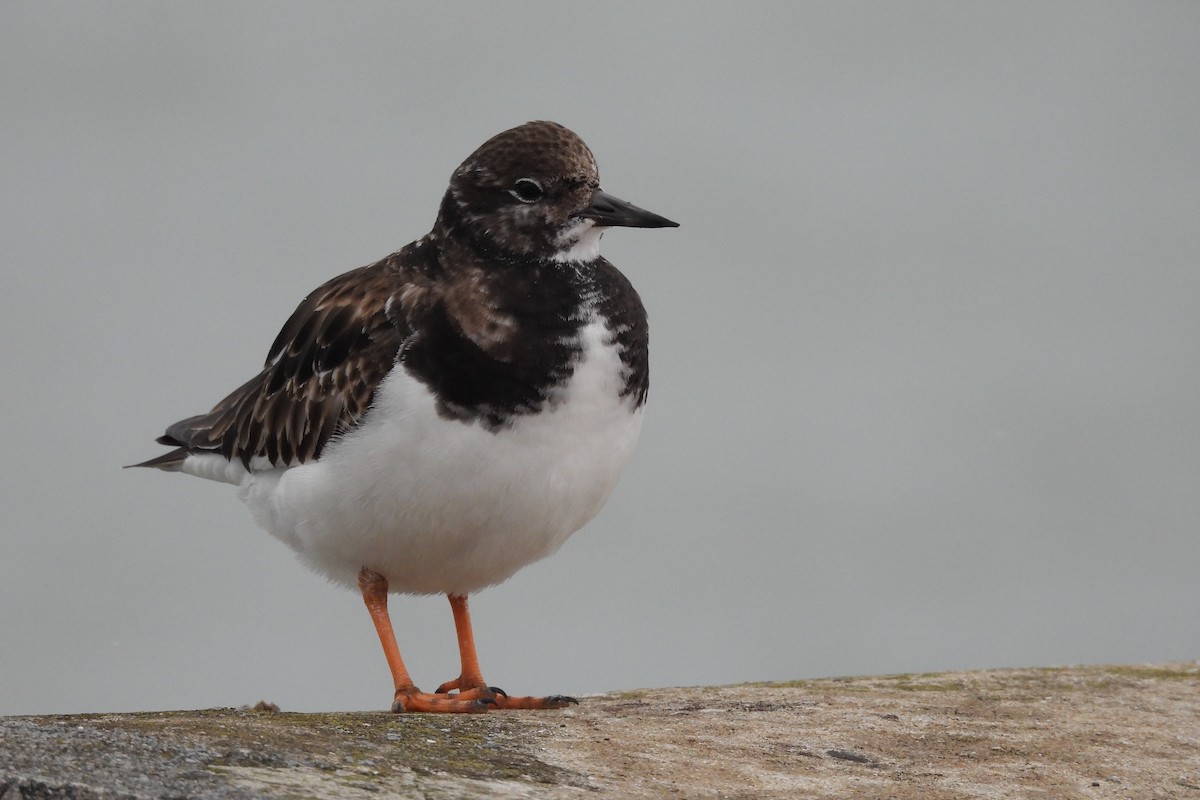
579	243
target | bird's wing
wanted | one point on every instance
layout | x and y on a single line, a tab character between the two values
319	378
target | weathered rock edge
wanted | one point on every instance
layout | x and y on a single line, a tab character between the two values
1086	732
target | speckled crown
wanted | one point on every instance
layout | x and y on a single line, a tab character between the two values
535	148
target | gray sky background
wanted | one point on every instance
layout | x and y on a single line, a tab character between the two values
925	358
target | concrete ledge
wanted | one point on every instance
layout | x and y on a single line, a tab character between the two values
1086	732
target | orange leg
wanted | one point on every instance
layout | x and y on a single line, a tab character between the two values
408	697
470	683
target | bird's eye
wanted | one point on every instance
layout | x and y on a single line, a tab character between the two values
527	190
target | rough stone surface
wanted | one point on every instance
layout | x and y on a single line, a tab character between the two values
1081	732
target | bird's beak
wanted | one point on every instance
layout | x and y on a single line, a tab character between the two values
608	210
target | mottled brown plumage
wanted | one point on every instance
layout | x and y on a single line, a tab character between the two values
319	377
481	285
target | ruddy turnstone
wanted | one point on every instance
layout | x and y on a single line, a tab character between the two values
433	422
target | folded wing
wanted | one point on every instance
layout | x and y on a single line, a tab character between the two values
319	378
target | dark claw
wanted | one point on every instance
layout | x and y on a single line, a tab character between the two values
562	700
497	690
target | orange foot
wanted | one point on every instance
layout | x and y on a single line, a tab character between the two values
496	697
412	699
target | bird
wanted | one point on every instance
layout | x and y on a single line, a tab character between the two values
435	421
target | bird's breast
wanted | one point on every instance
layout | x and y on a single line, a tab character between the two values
439	504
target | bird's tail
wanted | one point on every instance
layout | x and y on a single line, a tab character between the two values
170	462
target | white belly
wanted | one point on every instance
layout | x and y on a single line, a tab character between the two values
441	506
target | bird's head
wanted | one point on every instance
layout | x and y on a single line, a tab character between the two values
534	192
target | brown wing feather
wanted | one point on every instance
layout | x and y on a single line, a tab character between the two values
320	376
